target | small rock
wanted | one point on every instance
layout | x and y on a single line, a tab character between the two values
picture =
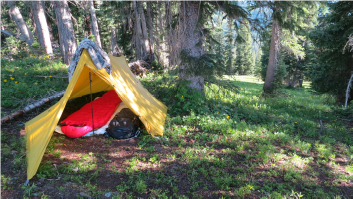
42	179
85	195
35	194
108	194
75	169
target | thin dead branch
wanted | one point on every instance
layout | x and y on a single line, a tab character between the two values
32	106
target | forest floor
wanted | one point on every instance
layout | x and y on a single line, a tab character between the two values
245	146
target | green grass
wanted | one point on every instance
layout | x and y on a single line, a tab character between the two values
22	87
237	143
278	132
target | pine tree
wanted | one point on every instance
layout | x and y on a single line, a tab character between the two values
286	15
332	69
196	64
258	63
229	47
245	55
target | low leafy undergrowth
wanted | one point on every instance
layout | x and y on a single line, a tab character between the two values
232	145
20	86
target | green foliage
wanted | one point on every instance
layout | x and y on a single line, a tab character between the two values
19	86
46	170
14	48
331	72
156	66
3	136
243	191
245	56
281	71
140	187
4	181
176	94
186	100
207	65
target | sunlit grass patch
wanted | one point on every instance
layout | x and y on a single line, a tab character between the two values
29	79
240	145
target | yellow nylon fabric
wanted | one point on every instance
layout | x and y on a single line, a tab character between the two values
151	111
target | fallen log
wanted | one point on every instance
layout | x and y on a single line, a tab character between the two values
9	34
32	106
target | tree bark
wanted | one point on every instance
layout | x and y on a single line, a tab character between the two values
116	51
158	32
189	36
67	36
2	4
17	17
41	26
169	34
295	78
138	34
160	35
88	25
94	25
272	62
150	29
144	30
2	25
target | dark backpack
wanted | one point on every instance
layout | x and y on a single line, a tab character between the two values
124	126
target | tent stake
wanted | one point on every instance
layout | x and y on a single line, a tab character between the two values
90	87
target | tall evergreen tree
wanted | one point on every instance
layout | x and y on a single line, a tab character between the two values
285	15
245	55
229	47
196	63
333	69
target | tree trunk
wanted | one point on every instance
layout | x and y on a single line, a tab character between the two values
17	17
230	54
2	25
144	30
272	61
295	78
116	51
140	47
158	32
162	38
189	36
67	36
169	34
41	26
2	5
95	29
150	29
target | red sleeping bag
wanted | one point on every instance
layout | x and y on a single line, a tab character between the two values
80	122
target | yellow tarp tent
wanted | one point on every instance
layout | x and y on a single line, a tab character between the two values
151	112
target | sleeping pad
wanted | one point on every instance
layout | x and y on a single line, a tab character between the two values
80	122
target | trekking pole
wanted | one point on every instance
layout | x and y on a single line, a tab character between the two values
90	87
